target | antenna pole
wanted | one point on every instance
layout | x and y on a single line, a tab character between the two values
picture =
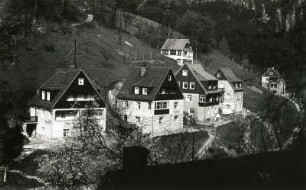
74	58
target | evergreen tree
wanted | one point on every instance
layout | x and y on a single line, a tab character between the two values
11	144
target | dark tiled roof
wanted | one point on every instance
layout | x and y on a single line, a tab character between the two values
231	78
175	44
153	79
271	72
201	75
229	75
59	82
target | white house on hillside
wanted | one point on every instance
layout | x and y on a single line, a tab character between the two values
179	50
232	99
201	93
151	99
59	101
272	81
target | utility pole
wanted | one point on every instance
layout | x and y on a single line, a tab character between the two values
74	57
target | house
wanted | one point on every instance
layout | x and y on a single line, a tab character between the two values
232	99
56	106
273	81
151	99
179	50
201	93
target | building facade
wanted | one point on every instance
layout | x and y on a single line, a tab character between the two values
179	50
273	81
231	85
151	99
201	93
56	107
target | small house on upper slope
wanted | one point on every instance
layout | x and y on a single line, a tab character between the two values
179	50
273	81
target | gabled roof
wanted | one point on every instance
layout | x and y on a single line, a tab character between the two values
201	75
230	77
59	83
175	44
153	79
271	72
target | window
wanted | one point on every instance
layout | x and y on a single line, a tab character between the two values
175	105
126	103
66	132
172	52
178	83
185	73
202	98
192	85
144	91
48	95
137	119
160	120
191	110
218	75
139	105
165	52
43	95
161	105
81	81
169	78
179	52
189	97
185	85
136	90
149	105
175	117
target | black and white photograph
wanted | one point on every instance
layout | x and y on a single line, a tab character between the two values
152	94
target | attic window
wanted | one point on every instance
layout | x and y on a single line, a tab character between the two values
136	90
185	73
43	95
169	78
48	95
218	75
81	81
144	91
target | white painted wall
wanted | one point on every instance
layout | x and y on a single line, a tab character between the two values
232	101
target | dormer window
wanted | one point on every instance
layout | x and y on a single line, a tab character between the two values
81	81
144	91
185	73
169	78
136	90
48	95
43	95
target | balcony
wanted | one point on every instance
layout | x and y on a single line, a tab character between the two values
31	119
207	104
161	112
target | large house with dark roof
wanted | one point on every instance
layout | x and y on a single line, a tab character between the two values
179	50
232	99
59	101
151	99
273	81
201	93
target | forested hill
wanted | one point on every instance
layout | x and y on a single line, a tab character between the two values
255	33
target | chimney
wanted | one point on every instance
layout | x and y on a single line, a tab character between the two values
143	69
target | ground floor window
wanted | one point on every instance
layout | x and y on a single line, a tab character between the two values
66	132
